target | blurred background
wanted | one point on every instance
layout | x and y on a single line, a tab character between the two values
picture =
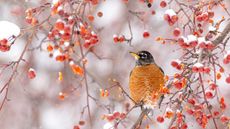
36	104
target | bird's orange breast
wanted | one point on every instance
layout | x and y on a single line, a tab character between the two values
144	80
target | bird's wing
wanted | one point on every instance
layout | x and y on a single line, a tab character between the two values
162	70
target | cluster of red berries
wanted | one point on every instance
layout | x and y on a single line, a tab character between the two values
179	83
4	45
30	16
204	16
62	37
188	42
198	67
179	121
115	116
205	44
118	39
62	34
177	64
227	57
197	111
222	103
171	17
200	116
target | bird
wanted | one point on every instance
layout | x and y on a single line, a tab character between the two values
145	81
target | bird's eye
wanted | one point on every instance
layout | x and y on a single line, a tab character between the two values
143	55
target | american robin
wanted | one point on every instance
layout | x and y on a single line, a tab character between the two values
146	79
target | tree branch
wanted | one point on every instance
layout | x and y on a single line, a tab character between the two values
222	35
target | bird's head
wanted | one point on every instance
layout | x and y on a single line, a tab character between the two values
143	57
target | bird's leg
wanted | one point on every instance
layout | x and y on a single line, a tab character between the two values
141	104
160	101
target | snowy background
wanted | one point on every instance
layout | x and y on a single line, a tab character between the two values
34	104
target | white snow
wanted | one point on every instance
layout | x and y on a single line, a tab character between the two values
8	29
170	12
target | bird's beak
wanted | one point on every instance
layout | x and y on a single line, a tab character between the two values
135	55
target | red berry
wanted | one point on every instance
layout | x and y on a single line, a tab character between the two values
193	43
125	1
179	67
110	117
66	36
166	17
76	127
153	12
225	61
122	116
216	113
209	116
122	38
178	85
116	114
207	70
228	79
210	14
71	20
31	73
4	48
210	46
59	25
146	34
205	16
228	57
91	18
174	64
190	111
3	41
29	20
213	86
163	4
224	119
160	119
191	101
87	44
99	14
81	123
199	18
195	69
174	18
176	32
61	11
209	94
184	126
115	38
202	45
